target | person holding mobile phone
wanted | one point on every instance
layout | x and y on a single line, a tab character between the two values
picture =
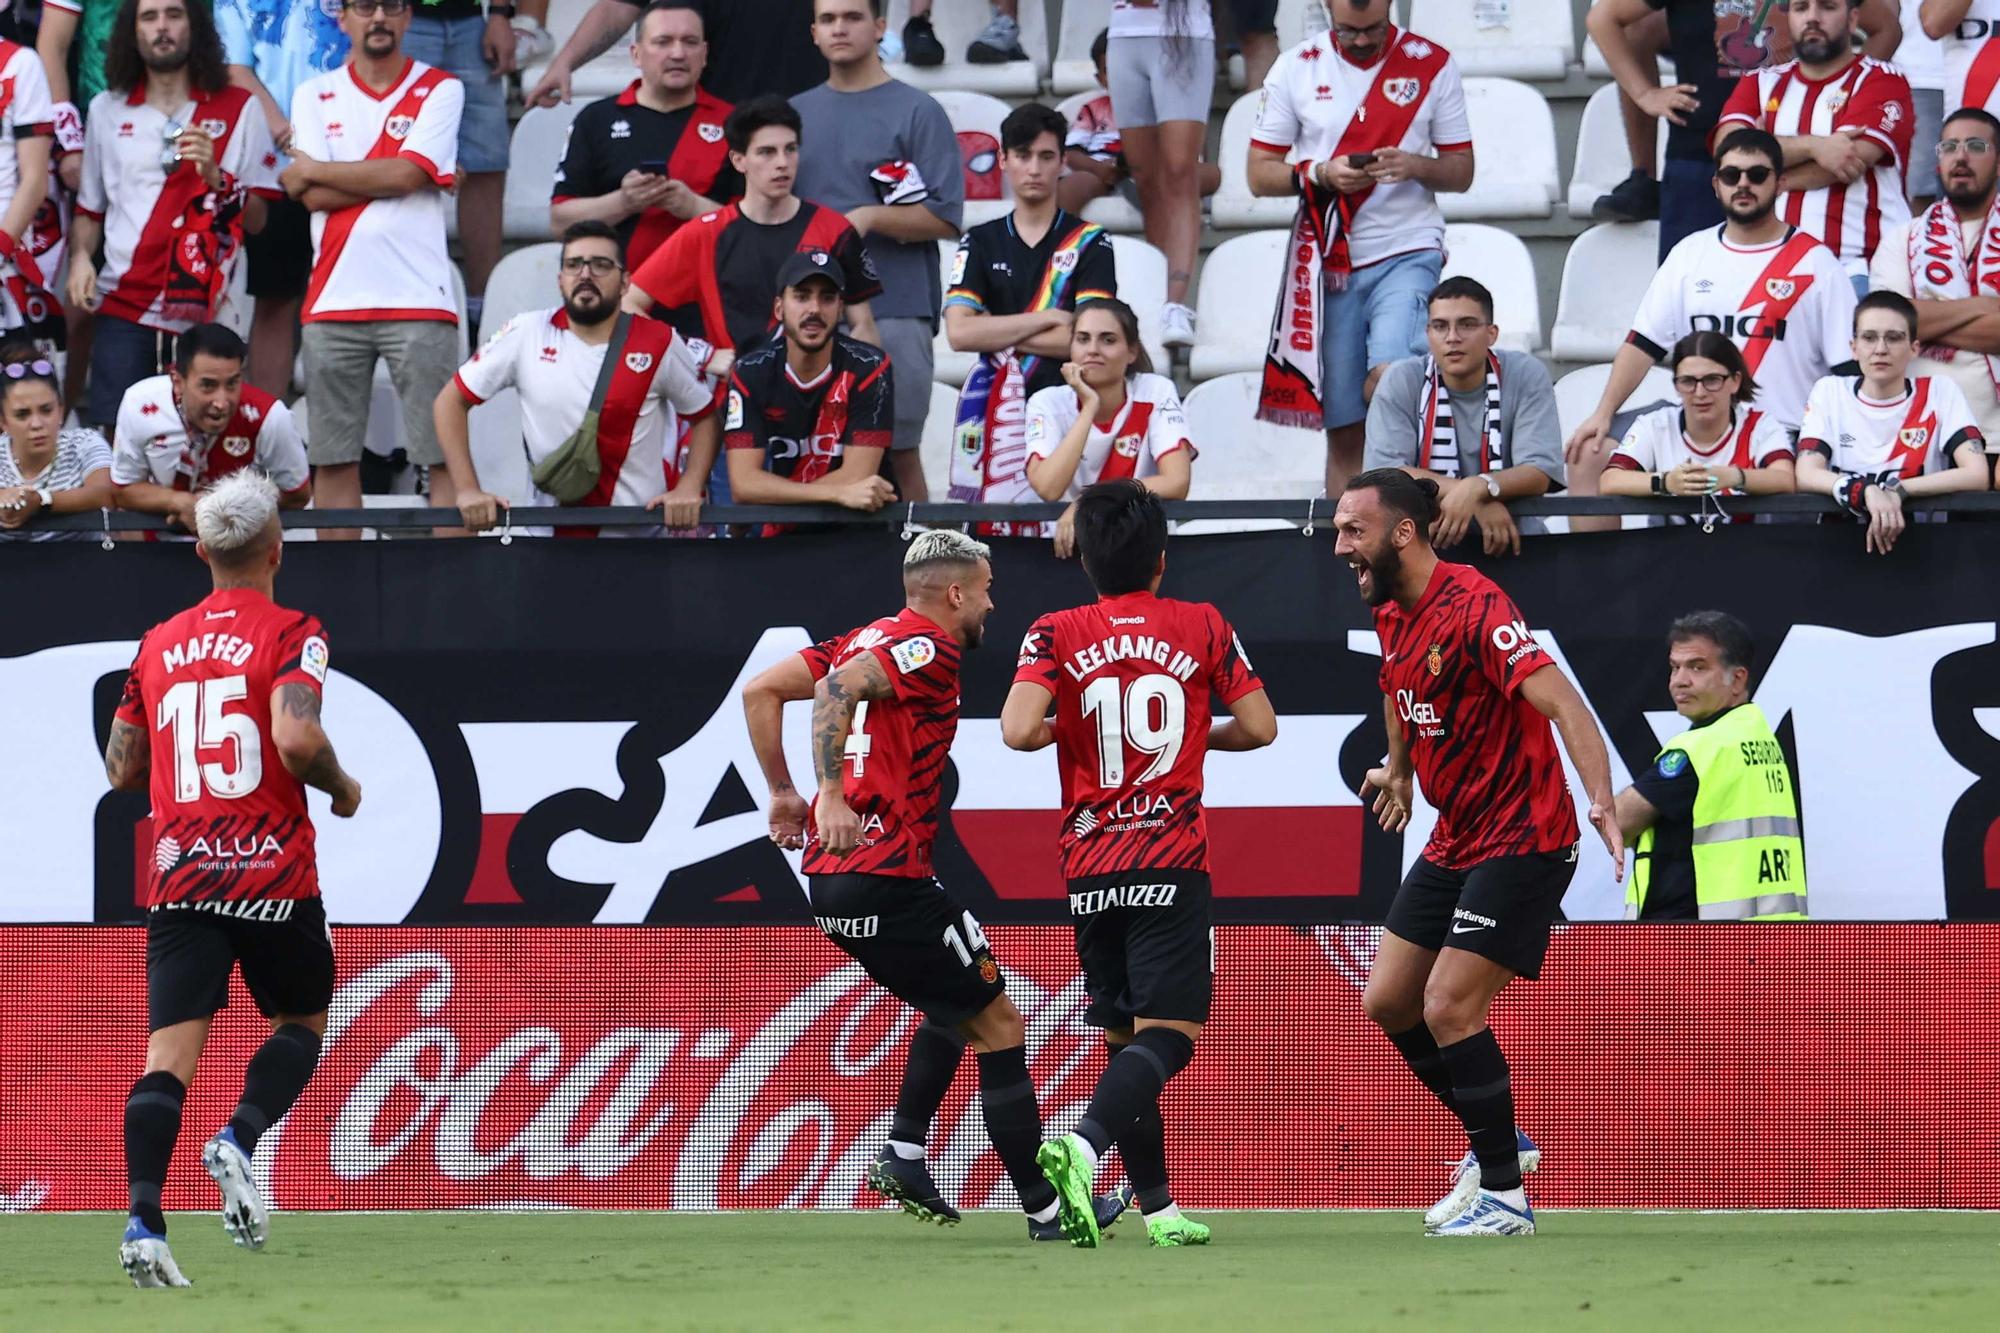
1365	130
653	157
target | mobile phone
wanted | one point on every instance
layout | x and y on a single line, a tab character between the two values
1360	160
654	166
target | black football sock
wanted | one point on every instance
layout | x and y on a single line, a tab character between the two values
1420	1051
1143	1149
1131	1083
1485	1100
1014	1123
935	1051
278	1073
152	1123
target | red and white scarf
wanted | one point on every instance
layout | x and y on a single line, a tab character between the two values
1941	270
1438	451
1318	256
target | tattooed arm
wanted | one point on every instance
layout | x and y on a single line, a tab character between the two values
304	749
764	701
128	757
835	699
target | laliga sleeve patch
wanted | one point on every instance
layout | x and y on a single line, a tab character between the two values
733	420
958	263
1241	656
914	654
312	658
1672	762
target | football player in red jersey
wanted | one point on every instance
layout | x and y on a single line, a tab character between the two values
226	697
1131	678
1468	698
885	709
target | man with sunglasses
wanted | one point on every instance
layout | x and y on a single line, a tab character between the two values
1844	121
1944	261
1776	292
374	151
553	358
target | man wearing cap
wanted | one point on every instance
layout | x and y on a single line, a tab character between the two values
809	413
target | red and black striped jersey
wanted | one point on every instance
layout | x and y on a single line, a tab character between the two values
229	821
1485	757
896	748
1135	678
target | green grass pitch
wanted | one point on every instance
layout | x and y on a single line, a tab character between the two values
1689	1272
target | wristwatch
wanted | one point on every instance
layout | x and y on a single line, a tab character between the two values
499	11
42	494
1492	484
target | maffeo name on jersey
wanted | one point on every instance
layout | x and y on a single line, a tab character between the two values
1090	901
210	647
1123	647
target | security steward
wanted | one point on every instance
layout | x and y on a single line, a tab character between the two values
1716	817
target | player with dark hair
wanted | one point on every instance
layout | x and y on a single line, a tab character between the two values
1468	696
1133	678
885	709
228	692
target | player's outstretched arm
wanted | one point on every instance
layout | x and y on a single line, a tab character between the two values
304	749
128	759
1549	690
835	698
764	700
1024	718
1252	724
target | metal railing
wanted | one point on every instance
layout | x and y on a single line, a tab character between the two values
1315	515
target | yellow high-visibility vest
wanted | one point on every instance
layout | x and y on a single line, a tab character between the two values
1749	860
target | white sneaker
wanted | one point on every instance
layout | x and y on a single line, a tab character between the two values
244	1216
1465	1182
1176	325
1491	1216
147	1260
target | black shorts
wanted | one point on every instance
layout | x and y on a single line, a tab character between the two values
1147	949
1499	909
287	964
1254	16
281	255
914	939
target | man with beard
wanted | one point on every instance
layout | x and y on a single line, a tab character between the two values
172	158
1468	696
1775	291
374	150
181	432
1935	260
809	412
555	358
1844	122
884	711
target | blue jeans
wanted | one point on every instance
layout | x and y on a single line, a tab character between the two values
453	45
1378	319
121	354
1687	201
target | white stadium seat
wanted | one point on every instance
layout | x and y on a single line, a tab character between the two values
935	449
1073	71
1113	212
533	156
1602	157
1499	259
1533	39
975	118
524	279
956	24
607	74
1603	279
1577	394
1142	284
1240	277
1514	152
1234	206
1241	458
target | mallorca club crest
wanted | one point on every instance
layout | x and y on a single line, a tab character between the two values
638	362
399	126
1780	289
1434	659
1401	91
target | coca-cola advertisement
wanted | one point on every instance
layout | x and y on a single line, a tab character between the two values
687	1068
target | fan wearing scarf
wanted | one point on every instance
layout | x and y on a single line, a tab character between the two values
1479	422
1347	127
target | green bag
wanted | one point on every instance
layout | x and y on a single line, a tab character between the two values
572	470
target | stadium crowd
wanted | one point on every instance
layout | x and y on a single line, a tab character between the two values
226	241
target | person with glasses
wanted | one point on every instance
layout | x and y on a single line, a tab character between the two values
1479	421
1347	128
44	469
1714	444
1947	262
1844	121
1772	289
656	435
374	152
1872	439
